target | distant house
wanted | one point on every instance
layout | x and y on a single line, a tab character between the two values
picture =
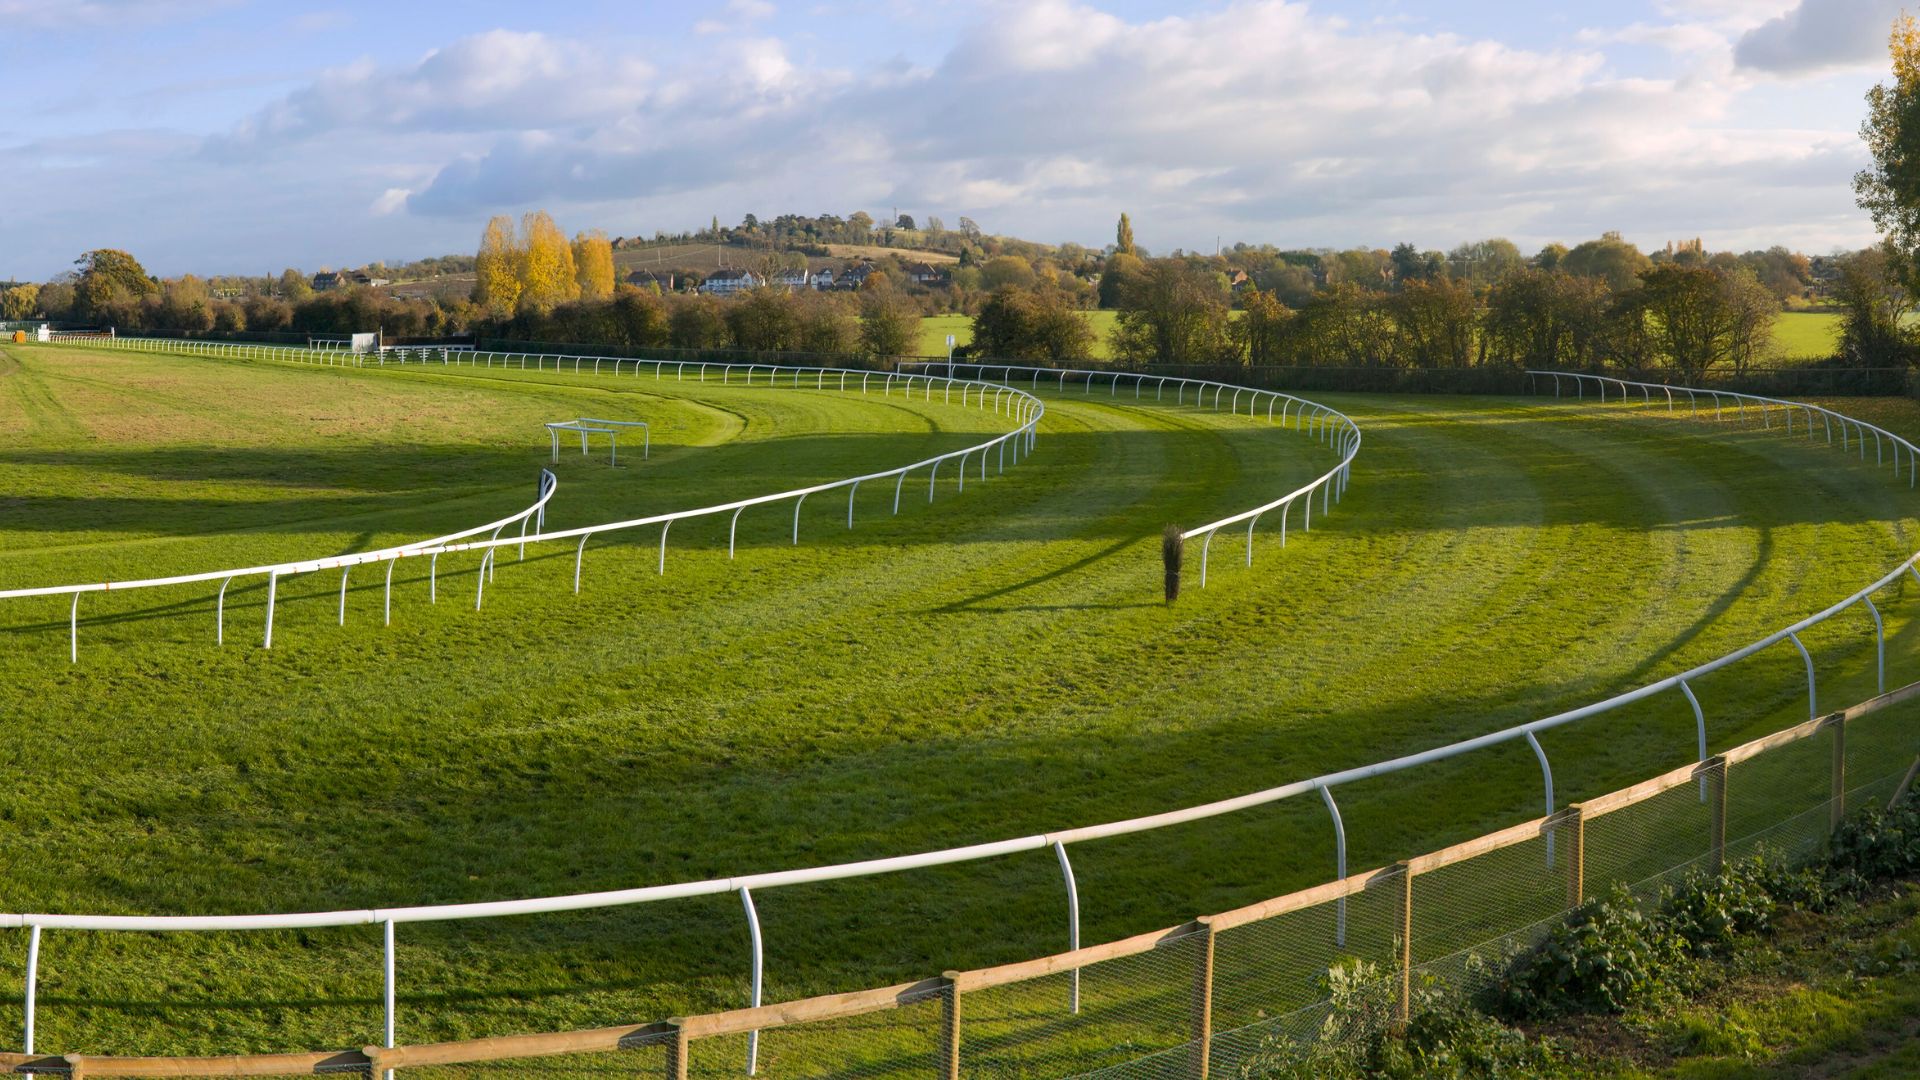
329	280
1238	280
856	276
823	280
793	279
727	281
926	274
645	278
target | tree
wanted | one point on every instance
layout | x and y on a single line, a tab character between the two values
639	318
823	324
1610	259
1018	324
1484	262
1174	313
1262	327
186	304
1873	302
1412	264
1007	270
547	276
294	286
1344	325
109	277
593	265
762	320
860	225
889	324
19	302
1699	316
696	323
496	269
1120	268
904	221
1436	323
268	313
1123	238
1545	318
1889	188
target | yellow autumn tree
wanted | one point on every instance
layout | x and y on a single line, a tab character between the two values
593	264
547	276
497	269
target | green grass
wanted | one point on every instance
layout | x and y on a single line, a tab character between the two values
935	328
993	664
1806	335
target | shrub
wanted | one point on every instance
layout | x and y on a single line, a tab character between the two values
1607	956
1444	1039
1876	845
1709	913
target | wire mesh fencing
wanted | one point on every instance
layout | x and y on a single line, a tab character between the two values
1266	989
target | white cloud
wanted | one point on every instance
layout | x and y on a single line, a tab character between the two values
1261	120
1818	35
496	81
391	201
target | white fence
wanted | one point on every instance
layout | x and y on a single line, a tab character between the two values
1017	405
1330	426
1055	843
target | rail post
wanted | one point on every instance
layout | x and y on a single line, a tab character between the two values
949	1028
1203	1000
1403	1005
1837	796
677	1049
32	983
1717	769
1574	821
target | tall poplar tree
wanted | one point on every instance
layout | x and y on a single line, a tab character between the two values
496	269
547	276
593	265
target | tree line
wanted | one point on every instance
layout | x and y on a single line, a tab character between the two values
1602	301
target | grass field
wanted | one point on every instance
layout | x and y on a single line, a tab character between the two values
935	328
1797	335
1803	335
993	664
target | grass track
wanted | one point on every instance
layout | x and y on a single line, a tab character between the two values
989	665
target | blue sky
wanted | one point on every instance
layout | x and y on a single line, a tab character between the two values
222	136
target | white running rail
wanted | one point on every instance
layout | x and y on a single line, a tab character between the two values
1330	426
1056	843
1017	405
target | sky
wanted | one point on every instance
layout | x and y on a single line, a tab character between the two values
245	136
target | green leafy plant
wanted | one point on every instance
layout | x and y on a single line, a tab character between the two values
1607	956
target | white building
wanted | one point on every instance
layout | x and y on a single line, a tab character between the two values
726	282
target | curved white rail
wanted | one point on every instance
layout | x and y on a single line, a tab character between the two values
1331	426
1017	405
1056	841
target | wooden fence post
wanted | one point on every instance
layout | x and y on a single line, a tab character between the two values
677	1053
1837	801
950	1027
1717	839
1906	782
1403	1007
1203	1001
1575	821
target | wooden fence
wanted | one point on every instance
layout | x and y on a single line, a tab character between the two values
1189	975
